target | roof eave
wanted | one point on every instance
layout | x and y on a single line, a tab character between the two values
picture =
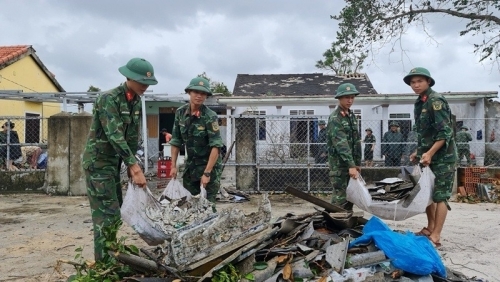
378	98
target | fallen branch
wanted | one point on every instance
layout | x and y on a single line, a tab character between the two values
169	269
136	262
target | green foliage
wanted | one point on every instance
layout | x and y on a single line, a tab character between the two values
250	277
369	25
108	269
341	60
92	88
226	274
216	86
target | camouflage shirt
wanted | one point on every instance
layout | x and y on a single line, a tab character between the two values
114	133
463	138
393	143
344	142
433	122
199	132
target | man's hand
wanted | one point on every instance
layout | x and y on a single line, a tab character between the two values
353	172
137	175
204	181
413	157
173	172
426	159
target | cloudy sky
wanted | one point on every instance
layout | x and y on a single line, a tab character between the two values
84	42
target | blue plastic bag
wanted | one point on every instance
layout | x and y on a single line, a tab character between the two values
413	254
42	160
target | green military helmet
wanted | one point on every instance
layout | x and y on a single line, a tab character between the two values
346	89
394	123
140	70
200	84
369	129
464	127
420	72
322	122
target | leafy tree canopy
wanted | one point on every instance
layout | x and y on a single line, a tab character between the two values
216	86
371	24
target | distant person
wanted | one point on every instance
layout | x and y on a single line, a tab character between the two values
392	147
11	150
166	136
463	138
30	155
369	147
410	146
344	145
322	153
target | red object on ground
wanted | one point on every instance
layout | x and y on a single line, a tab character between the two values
164	167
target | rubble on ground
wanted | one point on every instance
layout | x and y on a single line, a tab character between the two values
477	184
329	244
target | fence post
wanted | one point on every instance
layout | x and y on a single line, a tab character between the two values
8	144
246	155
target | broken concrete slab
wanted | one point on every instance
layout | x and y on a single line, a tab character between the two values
336	255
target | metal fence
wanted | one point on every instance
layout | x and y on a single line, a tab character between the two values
23	143
272	152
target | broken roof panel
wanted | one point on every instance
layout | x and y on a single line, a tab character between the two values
308	84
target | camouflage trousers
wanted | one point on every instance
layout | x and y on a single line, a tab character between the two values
443	184
462	153
105	197
191	180
339	178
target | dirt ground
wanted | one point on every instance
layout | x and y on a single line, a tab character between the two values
36	230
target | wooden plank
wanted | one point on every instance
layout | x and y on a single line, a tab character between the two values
311	199
227	249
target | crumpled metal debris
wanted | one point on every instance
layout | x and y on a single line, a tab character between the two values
307	246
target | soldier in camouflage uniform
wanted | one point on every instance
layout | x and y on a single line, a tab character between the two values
369	147
392	147
410	146
344	145
322	152
435	148
463	138
197	127
113	138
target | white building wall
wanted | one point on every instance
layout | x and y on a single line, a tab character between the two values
373	116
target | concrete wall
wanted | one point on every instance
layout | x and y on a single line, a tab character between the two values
67	138
21	181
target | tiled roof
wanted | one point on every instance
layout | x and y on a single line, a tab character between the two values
308	84
9	53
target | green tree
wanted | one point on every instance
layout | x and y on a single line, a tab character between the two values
372	24
92	88
340	60
216	86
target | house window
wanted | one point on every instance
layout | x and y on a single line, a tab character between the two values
301	112
262	123
357	114
402	116
303	129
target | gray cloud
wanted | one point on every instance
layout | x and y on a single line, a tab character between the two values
85	42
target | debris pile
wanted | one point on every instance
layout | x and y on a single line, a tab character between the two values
477	184
326	245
